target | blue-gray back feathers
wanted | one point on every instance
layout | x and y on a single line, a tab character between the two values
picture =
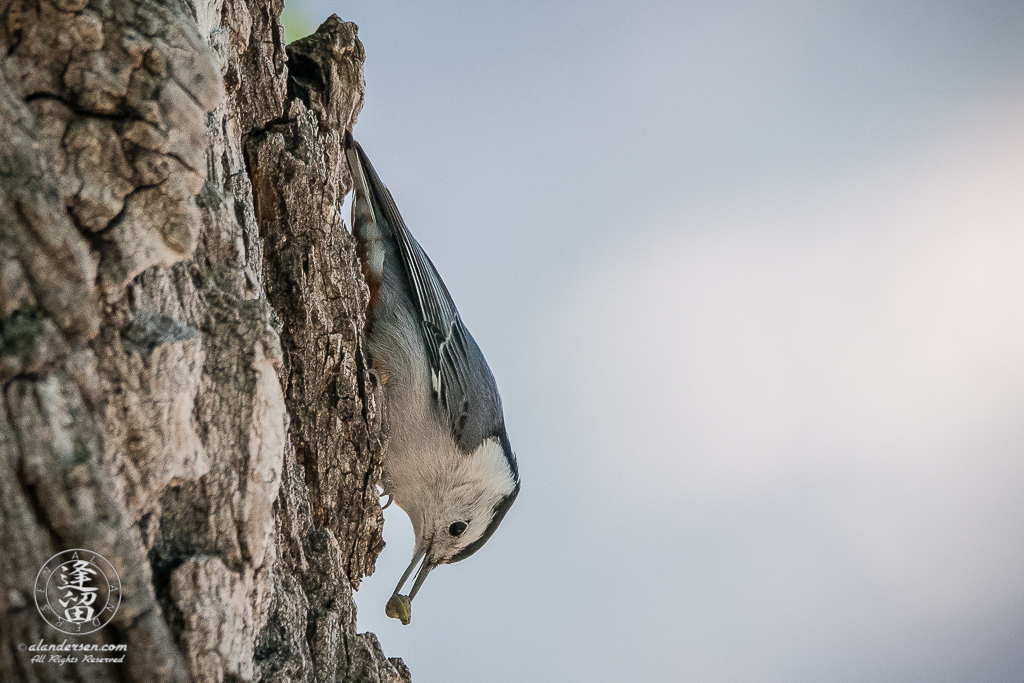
463	387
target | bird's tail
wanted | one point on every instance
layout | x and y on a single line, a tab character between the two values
367	226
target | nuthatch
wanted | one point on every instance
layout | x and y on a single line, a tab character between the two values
448	462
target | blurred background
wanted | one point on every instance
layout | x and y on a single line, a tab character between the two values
751	279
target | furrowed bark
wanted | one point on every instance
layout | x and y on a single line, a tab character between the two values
183	387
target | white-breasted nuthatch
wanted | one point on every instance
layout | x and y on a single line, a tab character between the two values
448	464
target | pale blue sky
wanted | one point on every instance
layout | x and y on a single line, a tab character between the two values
749	277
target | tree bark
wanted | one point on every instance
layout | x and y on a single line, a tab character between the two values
183	386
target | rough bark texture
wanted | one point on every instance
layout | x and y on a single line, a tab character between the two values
183	390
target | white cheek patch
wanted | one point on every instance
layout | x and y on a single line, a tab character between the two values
484	479
474	486
488	466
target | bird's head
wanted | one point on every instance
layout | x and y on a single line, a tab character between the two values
461	508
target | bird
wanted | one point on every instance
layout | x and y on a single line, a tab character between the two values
448	462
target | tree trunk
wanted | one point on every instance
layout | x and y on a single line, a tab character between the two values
183	389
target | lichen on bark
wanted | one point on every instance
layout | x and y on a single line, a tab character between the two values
183	386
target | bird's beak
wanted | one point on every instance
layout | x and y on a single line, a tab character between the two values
421	575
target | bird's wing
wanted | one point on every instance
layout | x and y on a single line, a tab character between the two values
451	351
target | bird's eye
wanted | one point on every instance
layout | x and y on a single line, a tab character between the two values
457	528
